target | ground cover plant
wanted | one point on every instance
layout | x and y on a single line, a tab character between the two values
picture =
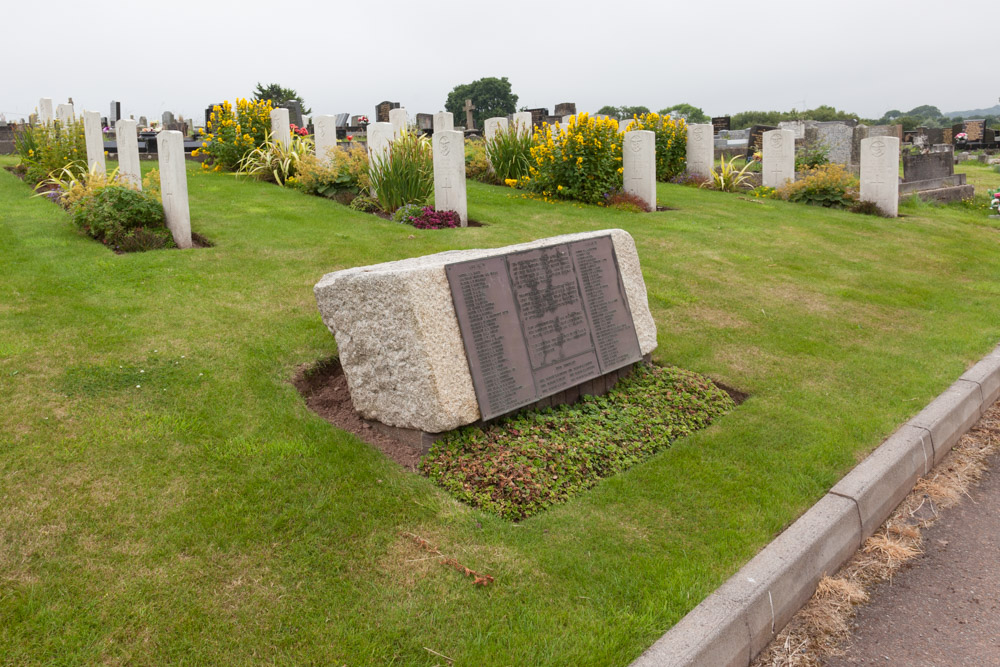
166	495
523	464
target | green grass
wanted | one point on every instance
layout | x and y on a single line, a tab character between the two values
165	495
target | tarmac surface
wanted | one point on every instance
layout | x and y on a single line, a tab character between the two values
943	610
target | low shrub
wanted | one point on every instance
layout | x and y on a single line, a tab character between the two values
432	219
525	463
509	153
122	218
671	142
404	174
582	161
364	203
477	163
345	171
867	208
625	201
810	157
829	185
46	150
407	214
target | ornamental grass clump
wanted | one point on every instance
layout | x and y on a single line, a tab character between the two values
275	162
46	150
582	161
728	178
671	142
829	185
509	153
403	174
230	137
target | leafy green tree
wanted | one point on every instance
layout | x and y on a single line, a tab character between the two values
611	111
618	113
491	97
692	113
279	95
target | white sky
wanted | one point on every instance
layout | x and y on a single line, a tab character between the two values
724	56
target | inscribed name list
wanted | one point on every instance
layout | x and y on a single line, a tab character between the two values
537	322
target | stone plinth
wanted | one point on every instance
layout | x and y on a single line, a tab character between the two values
399	340
779	158
494	125
449	173
45	115
280	132
325	128
700	149
173	186
639	166
94	138
880	173
444	120
127	140
397	118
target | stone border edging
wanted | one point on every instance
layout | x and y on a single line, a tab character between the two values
736	621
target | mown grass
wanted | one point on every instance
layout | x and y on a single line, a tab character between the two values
207	515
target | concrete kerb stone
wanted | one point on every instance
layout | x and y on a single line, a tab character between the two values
880	482
738	620
950	415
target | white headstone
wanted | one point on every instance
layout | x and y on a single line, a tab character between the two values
397	118
379	139
492	126
566	120
700	149
880	173
45	110
449	173
127	140
444	120
522	121
779	157
326	137
94	138
173	186
623	124
65	114
639	166
280	132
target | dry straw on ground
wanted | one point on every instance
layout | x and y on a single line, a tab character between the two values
819	629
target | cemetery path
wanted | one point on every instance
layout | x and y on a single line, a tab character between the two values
944	609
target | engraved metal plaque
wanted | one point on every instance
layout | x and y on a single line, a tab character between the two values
540	321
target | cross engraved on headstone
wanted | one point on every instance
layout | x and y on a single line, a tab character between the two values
878	182
777	173
470	123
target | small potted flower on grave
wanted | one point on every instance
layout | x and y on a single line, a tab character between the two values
961	138
363	121
995	201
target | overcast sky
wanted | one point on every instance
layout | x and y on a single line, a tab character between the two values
723	56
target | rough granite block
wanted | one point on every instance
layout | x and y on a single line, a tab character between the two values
399	340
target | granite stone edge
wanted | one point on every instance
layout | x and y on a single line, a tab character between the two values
734	609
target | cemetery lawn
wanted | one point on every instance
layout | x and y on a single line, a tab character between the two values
166	496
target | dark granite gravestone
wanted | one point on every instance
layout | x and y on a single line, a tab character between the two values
537	322
167	119
342	119
116	112
756	138
721	123
538	116
382	110
925	167
565	109
294	112
425	122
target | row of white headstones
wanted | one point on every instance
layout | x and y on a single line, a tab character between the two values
170	151
879	163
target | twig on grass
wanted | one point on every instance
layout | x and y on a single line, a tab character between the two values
439	654
478	578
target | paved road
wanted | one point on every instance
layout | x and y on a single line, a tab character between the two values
944	610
